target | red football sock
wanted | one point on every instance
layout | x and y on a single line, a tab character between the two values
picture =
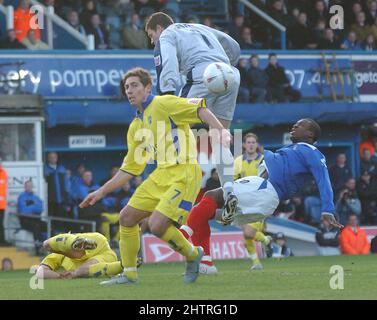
186	231
198	219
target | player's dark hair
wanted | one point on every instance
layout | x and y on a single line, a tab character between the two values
144	76
314	128
271	55
254	56
158	18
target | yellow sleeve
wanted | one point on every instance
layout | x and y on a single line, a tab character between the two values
53	261
237	168
137	156
182	110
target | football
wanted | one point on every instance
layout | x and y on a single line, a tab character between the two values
218	77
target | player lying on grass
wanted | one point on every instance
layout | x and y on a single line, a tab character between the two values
80	255
281	175
161	131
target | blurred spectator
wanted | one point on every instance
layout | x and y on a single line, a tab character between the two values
76	179
24	21
367	164
276	11
30	205
74	21
246	41
192	19
58	187
368	144
373	245
351	42
207	21
348	202
110	201
92	213
244	91
11	41
371	13
100	32
370	43
299	215
279	247
235	27
279	88
3	200
300	35
213	182
367	191
351	18
133	35
145	8
373	28
327	236
329	40
124	195
312	203
6	264
90	9
339	173
353	239
277	80
320	12
319	31
32	43
360	27
257	79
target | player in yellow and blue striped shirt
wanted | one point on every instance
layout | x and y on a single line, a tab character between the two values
160	131
244	166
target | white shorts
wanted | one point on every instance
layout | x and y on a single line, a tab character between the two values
222	105
257	199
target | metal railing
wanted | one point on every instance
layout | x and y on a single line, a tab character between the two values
265	16
51	18
8	11
50	219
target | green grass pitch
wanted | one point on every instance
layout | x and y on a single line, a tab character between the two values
291	278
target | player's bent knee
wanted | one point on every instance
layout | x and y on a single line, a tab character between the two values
216	195
248	232
157	225
126	218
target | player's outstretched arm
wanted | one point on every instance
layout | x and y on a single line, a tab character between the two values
119	180
44	272
208	117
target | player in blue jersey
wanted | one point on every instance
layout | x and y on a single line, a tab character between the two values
282	174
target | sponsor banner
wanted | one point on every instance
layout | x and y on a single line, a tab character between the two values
94	141
366	79
17	176
65	75
94	75
224	246
88	75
